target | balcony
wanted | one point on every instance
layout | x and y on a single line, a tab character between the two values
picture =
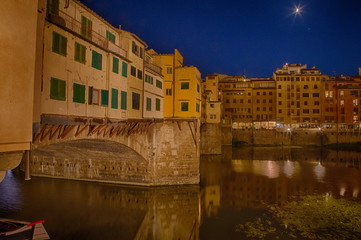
69	22
153	67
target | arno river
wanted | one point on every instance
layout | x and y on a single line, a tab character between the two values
236	193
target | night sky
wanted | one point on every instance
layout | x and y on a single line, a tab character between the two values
245	36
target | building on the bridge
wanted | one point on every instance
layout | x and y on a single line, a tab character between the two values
85	66
135	84
213	104
182	86
17	61
153	88
298	94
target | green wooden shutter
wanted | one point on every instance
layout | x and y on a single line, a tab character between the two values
114	103
149	104
124	69
105	97
63	44
157	104
79	54
53	7
115	65
96	60
78	93
57	89
123	103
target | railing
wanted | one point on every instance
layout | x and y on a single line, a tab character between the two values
153	67
72	24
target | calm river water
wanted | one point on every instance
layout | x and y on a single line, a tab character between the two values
235	187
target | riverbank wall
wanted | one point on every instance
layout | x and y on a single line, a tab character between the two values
299	137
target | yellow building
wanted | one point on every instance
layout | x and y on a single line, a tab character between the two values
135	84
85	67
298	94
213	104
182	86
17	62
153	89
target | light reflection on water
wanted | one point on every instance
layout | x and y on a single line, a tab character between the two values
233	186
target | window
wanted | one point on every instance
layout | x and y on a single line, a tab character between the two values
305	87
110	36
124	69
79	54
123	100
279	87
148	79
168	92
105	97
158	84
305	111
169	70
59	44
133	71
93	96
114	103
135	100
86	27
317	103
279	102
149	104
305	103
212	105
96	60
342	93
197	107
185	85
342	110
315	94
184	106
315	86
53	7
279	110
279	94
305	94
197	87
355	102
78	93
115	65
140	74
157	104
57	89
316	111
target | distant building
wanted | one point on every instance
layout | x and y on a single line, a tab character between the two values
298	94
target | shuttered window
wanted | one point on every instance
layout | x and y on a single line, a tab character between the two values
78	93
57	89
53	7
86	27
79	54
115	65
93	96
184	106
135	100
185	85
110	36
157	104
124	69
133	71
96	60
149	104
105	97
123	100
114	103
197	107
59	44
159	84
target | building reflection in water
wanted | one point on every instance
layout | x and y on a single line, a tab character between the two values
238	179
271	175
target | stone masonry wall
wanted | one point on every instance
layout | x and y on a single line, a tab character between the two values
211	139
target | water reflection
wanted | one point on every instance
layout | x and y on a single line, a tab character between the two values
233	186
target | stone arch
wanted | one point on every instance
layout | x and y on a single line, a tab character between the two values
91	159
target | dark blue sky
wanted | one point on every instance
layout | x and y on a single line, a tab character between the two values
245	36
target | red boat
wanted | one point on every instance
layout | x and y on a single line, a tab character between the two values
16	230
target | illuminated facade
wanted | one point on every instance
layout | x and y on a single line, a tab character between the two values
298	94
182	86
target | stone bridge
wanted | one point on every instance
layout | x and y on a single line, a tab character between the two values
140	152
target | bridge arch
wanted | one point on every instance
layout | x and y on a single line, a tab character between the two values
165	152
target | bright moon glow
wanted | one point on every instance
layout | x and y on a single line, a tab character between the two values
297	10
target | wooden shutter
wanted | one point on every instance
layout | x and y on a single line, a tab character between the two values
123	100
105	97
124	69
114	103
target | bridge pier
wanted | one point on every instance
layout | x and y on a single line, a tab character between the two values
163	152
